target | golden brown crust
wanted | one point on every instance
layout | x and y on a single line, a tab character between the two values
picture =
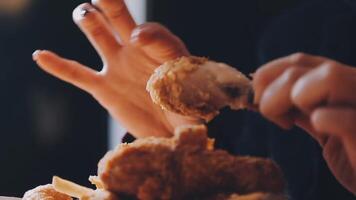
166	89
45	192
132	169
100	195
253	196
197	87
184	168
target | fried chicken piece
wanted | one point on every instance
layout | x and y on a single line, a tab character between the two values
253	196
143	169
184	167
100	195
198	87
45	192
62	189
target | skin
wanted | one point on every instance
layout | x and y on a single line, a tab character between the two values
318	95
129	54
314	93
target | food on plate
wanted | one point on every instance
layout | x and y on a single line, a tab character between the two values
62	189
183	167
45	192
199	87
254	196
70	188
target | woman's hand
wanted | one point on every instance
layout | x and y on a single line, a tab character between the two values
318	95
129	54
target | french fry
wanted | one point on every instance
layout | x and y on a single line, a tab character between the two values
70	188
96	181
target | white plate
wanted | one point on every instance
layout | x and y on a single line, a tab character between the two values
9	198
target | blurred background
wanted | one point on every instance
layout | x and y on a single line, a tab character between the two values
51	128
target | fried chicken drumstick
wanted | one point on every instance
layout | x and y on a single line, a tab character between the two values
198	87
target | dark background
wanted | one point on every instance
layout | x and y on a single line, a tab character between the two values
47	127
51	128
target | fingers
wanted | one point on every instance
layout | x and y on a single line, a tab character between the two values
338	122
331	83
67	70
158	42
269	72
276	103
97	30
118	15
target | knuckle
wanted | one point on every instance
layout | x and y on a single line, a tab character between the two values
154	25
265	107
98	81
150	28
329	71
143	30
291	74
260	78
113	8
74	72
297	57
97	31
115	13
148	32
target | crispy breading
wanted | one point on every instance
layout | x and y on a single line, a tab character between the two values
45	192
100	195
253	196
183	167
198	87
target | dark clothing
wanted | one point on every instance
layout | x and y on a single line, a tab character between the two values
326	28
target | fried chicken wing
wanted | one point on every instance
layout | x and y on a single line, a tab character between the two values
184	167
198	87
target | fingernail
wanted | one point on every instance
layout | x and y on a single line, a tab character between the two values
85	11
35	55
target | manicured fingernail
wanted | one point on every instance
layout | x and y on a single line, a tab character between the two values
35	55
86	10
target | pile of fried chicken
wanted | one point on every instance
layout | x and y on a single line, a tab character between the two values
184	167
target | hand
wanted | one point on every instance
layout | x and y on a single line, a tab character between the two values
318	95
129	54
